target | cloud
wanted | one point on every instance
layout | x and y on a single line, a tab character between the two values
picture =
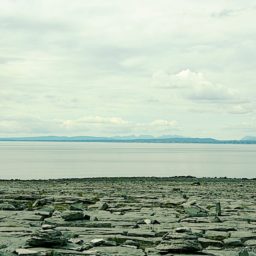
88	59
111	125
241	109
93	121
195	86
246	127
22	125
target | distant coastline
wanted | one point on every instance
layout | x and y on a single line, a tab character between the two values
132	139
188	178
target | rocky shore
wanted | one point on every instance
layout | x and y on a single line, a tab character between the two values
128	216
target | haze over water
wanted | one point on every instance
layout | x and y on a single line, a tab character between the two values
44	160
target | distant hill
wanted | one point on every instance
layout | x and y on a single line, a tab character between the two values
134	139
249	138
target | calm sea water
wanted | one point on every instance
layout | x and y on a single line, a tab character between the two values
28	160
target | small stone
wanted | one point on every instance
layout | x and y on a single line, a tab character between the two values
77	207
147	221
218	209
7	207
26	252
244	252
216	235
131	243
103	206
45	211
94	218
76	241
208	242
232	242
47	226
183	230
250	243
195	211
47	238
74	215
97	242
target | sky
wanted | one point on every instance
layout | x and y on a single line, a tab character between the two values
116	68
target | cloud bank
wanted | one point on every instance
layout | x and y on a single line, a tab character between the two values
80	67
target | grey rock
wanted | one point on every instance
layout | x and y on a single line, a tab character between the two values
218	209
47	238
26	252
180	242
244	252
232	242
195	211
7	207
77	207
179	246
75	215
208	242
216	235
104	206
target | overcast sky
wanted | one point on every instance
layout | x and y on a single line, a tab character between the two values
118	67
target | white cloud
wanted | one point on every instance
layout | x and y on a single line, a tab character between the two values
103	125
194	86
95	121
95	58
241	109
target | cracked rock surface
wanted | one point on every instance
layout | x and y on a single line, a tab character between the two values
128	216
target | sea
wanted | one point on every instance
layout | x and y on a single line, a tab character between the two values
51	160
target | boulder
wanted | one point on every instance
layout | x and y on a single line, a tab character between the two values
181	240
47	238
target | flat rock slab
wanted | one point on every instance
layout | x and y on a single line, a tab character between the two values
128	216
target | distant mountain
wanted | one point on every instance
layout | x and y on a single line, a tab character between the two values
249	138
133	138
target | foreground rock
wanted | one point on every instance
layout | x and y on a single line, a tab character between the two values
128	216
47	238
182	240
